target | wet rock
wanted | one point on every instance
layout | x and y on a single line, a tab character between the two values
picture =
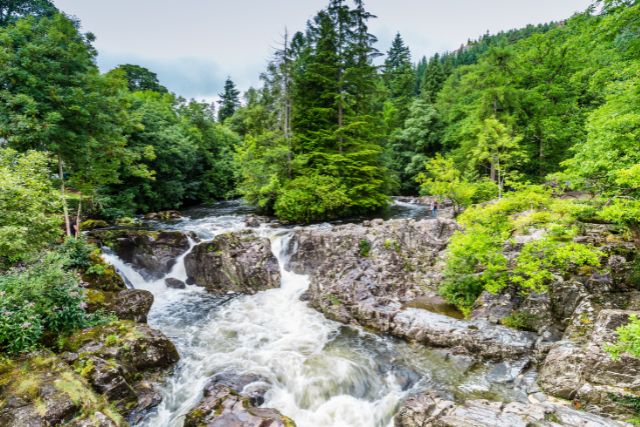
223	407
152	253
102	276
364	274
251	386
172	283
42	390
430	410
475	337
583	372
163	215
234	262
255	221
117	359
494	307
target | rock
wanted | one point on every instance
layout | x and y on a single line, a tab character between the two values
255	221
163	215
133	304
364	274
234	262
251	386
92	224
430	410
42	390
130	304
117	359
174	283
477	337
223	407
494	307
152	253
102	276
583	372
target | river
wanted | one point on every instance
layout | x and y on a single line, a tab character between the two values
320	373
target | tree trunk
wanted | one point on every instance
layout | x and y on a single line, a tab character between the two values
67	221
77	230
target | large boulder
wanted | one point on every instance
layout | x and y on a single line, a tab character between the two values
153	253
129	304
430	410
234	262
582	371
43	391
224	407
121	361
364	274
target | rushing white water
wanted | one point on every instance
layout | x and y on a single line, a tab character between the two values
321	374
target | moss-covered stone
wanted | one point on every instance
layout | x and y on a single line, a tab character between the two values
41	390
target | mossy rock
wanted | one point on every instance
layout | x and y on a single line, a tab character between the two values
102	276
42	390
92	224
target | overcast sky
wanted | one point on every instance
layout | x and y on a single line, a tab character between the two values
194	44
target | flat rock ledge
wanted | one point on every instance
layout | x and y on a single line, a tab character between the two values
428	410
476	337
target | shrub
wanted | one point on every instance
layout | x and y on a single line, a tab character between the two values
40	300
628	340
364	247
314	198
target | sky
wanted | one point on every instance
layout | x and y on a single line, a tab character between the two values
193	45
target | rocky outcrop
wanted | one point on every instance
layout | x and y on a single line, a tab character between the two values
251	386
234	262
582	371
365	273
174	283
163	216
120	361
151	252
428	410
478	337
224	407
43	391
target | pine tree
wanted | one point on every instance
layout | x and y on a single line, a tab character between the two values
229	100
433	79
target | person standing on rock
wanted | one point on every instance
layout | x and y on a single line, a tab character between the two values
434	209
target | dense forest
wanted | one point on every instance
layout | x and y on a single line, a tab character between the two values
336	128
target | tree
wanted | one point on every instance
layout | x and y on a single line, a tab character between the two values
140	78
398	76
432	79
12	10
500	149
229	100
30	207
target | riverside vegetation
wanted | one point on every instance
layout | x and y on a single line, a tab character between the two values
531	136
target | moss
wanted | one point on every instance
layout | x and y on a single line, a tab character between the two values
92	224
364	248
334	300
521	320
73	387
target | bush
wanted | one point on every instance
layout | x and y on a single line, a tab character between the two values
475	260
310	199
628	340
40	300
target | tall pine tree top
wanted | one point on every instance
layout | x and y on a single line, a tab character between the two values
229	100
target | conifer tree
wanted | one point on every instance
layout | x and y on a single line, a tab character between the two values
229	100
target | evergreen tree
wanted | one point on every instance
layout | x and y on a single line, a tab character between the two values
433	79
229	100
398	76
12	10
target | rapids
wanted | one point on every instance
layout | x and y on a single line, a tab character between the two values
321	373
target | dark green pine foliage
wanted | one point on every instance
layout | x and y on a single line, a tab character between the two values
229	100
399	79
433	79
337	157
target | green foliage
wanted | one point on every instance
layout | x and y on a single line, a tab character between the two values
41	299
520	320
229	101
139	78
12	10
628	340
476	261
310	199
442	179
30	208
364	247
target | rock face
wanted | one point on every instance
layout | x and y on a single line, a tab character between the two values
129	304
42	391
152	253
429	410
478	337
114	358
223	407
234	262
580	370
364	273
